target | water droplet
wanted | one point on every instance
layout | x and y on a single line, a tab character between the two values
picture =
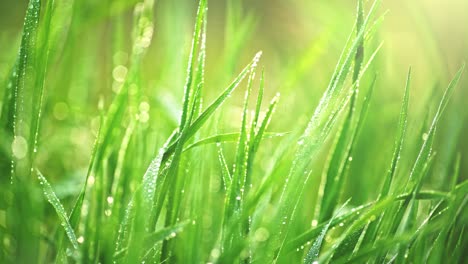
19	147
425	136
350	158
215	253
80	239
110	200
238	198
314	223
91	180
119	73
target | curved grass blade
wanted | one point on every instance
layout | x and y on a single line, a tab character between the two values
313	254
55	202
228	137
359	223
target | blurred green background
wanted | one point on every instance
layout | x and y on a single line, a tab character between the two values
301	43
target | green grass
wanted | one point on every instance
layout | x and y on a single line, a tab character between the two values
207	180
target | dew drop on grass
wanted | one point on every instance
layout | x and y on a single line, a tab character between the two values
350	158
119	73
91	180
55	202
314	223
19	147
425	136
238	198
110	200
215	253
80	239
108	212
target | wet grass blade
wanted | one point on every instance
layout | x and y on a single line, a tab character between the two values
370	232
313	254
209	111
398	140
23	110
227	178
61	213
426	148
228	137
236	193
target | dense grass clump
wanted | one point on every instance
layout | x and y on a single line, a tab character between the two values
205	181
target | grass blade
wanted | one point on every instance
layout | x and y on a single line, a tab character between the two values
55	202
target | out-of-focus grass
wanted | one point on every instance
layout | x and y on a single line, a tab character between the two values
160	137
